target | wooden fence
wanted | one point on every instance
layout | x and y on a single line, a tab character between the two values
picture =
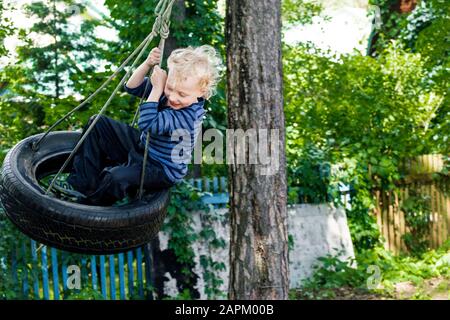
420	179
48	272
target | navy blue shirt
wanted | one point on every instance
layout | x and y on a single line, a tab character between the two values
173	132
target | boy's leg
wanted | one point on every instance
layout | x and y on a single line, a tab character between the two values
120	181
108	144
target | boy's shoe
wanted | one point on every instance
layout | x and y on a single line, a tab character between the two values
123	201
70	193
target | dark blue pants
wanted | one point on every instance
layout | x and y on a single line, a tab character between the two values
108	164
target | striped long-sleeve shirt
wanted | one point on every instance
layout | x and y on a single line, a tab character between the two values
173	132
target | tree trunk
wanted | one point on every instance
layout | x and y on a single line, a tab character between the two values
179	15
259	266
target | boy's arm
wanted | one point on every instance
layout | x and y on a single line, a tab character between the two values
168	120
138	81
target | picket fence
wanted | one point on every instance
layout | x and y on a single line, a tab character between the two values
390	217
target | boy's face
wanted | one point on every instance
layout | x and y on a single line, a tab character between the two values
182	92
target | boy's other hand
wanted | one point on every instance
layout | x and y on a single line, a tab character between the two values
159	78
153	57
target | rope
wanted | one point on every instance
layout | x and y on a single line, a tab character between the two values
163	11
164	33
36	144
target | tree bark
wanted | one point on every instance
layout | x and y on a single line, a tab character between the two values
259	266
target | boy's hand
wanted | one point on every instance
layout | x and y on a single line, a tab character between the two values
159	78
154	57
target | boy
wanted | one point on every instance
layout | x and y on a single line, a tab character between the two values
108	165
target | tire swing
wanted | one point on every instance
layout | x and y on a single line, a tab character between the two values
68	225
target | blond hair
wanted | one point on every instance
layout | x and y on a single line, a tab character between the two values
203	62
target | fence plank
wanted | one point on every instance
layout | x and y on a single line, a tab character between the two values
55	273
429	192
64	270
112	278
44	272
223	184
103	276
385	220
139	271
35	278
435	200
378	209
121	277
215	185
130	273
94	272
198	184
391	223
447	209
84	272
402	221
396	215
216	199
25	287
442	213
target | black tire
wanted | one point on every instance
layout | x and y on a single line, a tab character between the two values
66	225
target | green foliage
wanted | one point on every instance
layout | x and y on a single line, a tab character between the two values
392	22
334	272
363	116
300	11
356	105
40	84
186	199
51	69
86	293
374	271
425	32
9	237
310	164
6	28
433	263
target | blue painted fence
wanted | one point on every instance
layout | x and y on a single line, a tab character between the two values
120	276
